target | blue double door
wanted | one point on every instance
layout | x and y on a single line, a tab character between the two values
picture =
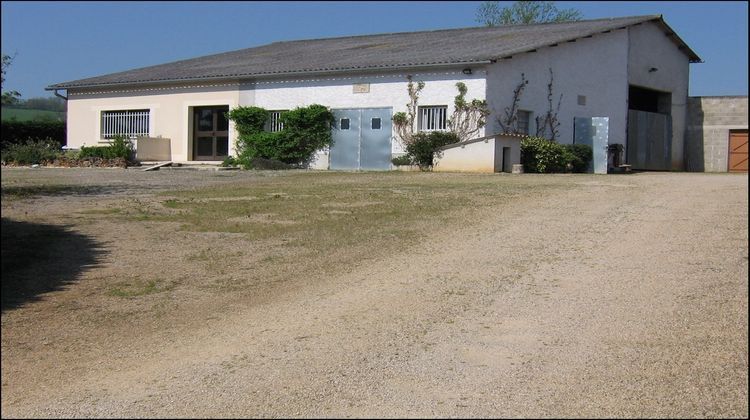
361	139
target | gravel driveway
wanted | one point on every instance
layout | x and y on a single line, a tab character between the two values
623	296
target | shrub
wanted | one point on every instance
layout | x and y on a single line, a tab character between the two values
33	151
422	150
229	161
306	130
248	119
545	156
272	164
581	156
19	132
401	160
118	148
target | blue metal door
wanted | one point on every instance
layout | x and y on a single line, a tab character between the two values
375	146
595	133
345	148
361	139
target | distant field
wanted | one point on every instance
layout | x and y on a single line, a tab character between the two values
31	114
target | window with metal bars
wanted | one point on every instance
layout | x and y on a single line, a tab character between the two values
128	123
274	123
433	118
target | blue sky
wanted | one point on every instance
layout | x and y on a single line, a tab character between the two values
61	41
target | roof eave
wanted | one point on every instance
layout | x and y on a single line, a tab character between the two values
238	77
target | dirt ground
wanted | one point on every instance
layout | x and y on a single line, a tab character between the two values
590	296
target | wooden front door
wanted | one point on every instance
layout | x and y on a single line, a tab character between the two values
738	151
210	133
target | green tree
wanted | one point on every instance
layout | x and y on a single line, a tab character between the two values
52	103
10	97
524	12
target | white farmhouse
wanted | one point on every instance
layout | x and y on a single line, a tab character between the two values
616	81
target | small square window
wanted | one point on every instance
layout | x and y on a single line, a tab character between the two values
581	100
376	123
344	124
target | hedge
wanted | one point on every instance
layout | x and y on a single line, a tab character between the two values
18	132
539	155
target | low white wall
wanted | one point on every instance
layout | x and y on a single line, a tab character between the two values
484	156
472	157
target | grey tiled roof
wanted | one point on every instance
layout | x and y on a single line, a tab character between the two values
370	52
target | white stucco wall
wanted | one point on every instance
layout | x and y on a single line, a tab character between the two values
598	68
594	67
386	90
650	48
169	112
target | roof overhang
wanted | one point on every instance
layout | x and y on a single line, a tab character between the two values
255	76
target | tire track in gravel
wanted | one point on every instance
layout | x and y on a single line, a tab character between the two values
574	305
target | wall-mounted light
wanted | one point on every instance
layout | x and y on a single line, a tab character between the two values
652	69
466	71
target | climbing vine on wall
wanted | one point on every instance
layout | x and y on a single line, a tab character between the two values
509	122
548	122
404	121
468	116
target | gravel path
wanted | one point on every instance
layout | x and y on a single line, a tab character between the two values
624	297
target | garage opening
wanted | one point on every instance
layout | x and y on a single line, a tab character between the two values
649	142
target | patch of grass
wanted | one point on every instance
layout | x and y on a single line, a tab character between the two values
114	210
329	210
171	204
309	222
214	261
137	288
28	191
324	221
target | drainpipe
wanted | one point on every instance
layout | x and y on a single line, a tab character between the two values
66	110
60	96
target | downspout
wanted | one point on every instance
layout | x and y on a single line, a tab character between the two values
66	114
60	96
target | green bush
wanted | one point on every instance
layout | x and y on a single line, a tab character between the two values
401	160
306	130
229	161
33	151
422	150
19	132
248	119
272	164
581	156
545	156
118	148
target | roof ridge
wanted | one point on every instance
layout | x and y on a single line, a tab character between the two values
645	17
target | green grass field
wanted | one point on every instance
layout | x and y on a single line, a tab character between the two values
31	114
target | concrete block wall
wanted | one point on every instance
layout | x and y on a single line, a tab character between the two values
710	118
